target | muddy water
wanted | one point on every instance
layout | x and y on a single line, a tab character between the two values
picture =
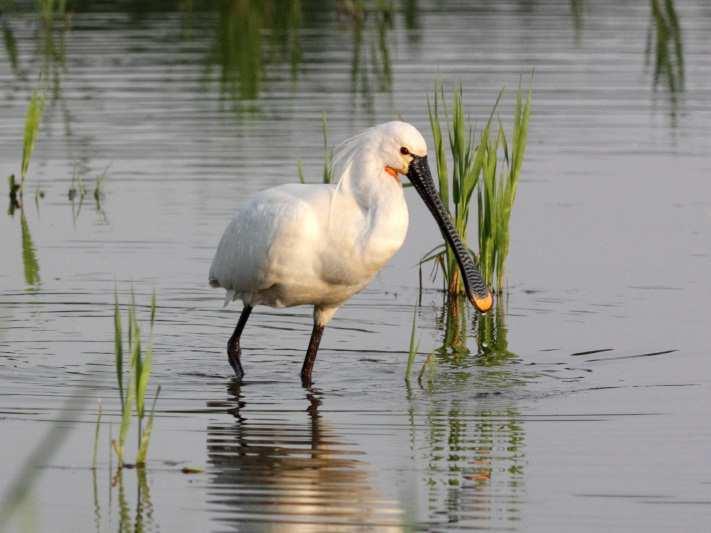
580	405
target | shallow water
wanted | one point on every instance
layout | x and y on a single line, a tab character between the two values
586	411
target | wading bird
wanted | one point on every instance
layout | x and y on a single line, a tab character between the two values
320	244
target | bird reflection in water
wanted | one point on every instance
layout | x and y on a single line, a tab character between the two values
290	469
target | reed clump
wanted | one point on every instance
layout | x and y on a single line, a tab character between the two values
132	391
489	165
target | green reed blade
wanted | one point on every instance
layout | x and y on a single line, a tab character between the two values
118	347
414	345
126	408
436	127
146	436
33	118
154	307
144	376
328	154
300	171
137	365
433	257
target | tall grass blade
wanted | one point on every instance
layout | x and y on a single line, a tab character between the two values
414	345
33	118
146	436
118	347
143	373
436	127
154	307
328	153
137	366
126	408
300	171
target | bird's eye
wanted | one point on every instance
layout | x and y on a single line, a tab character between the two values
404	151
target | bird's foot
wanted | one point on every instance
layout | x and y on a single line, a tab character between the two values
306	381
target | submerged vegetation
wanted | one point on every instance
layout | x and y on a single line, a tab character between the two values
133	390
476	166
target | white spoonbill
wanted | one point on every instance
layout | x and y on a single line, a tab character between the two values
320	244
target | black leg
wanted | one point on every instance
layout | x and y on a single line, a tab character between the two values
310	358
233	349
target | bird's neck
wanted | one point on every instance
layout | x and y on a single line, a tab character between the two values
371	186
384	217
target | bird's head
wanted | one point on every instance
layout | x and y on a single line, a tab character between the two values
400	144
402	150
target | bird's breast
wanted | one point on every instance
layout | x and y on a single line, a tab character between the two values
360	246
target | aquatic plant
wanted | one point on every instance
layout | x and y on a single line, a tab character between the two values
33	118
99	187
414	345
78	191
327	156
76	187
133	391
497	193
466	163
328	152
476	167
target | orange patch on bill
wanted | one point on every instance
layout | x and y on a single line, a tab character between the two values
483	304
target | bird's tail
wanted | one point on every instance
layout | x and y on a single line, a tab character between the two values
229	296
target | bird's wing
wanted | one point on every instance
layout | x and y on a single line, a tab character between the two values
269	234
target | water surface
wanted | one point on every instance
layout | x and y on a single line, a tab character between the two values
578	406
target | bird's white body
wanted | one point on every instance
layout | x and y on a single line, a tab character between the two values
320	244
